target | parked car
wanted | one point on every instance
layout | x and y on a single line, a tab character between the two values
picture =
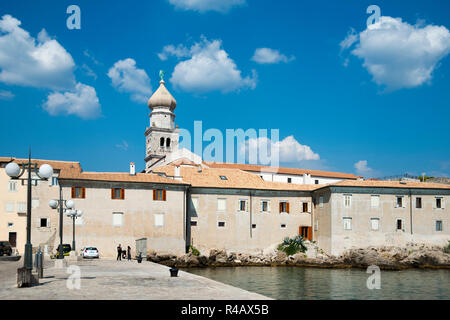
66	250
90	253
5	248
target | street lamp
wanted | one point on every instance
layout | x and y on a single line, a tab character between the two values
15	171
74	214
63	205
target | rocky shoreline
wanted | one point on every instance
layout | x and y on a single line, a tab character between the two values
387	258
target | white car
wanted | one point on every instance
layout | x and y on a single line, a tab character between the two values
89	252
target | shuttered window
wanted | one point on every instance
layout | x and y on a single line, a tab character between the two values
78	192
117	194
284	207
159	195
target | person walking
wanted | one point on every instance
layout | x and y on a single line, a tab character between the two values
129	253
119	253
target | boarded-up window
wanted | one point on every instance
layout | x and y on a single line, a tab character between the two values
159	220
117	219
221	204
347	223
375	224
375	201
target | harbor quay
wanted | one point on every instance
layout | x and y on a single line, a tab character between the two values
108	279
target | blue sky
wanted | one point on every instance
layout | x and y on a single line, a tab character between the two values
335	101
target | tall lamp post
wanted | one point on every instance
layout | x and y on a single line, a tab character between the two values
63	206
74	214
15	171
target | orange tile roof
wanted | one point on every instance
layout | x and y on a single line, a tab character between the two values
281	170
388	184
236	179
117	177
57	165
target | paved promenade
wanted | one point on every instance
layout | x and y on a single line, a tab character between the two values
117	280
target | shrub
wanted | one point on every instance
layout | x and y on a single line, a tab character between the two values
447	248
194	251
292	245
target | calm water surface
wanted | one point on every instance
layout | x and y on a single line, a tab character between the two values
293	283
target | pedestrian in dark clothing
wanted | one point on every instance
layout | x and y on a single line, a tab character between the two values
119	253
129	253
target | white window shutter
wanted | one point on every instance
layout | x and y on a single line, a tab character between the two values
246	205
268	205
309	206
238	205
404	202
443	203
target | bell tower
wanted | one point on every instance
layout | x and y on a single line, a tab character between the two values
162	135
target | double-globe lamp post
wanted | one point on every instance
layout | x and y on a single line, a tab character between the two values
63	206
74	214
15	171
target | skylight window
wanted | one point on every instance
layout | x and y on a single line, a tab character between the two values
223	178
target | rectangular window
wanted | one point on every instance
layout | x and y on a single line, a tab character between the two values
10	224
438	225
193	223
221	224
347	200
117	194
78	192
347	223
9	207
305	207
265	206
221	204
316	182
375	201
284	207
399	224
117	219
159	220
321	202
44	223
12	186
54	181
289	180
399	202
253	226
242	205
419	203
374	224
159	195
438	203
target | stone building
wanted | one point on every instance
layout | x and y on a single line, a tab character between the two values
182	200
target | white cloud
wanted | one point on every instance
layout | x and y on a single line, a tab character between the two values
201	6
399	55
362	168
123	145
170	50
6	95
82	102
27	61
289	149
127	78
210	69
270	56
88	71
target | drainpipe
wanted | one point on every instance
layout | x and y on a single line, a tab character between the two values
187	233
251	216
410	211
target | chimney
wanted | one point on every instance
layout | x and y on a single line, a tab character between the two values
132	169
199	169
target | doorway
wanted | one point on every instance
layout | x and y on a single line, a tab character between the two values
13	239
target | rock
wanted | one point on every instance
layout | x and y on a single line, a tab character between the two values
427	257
281	257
